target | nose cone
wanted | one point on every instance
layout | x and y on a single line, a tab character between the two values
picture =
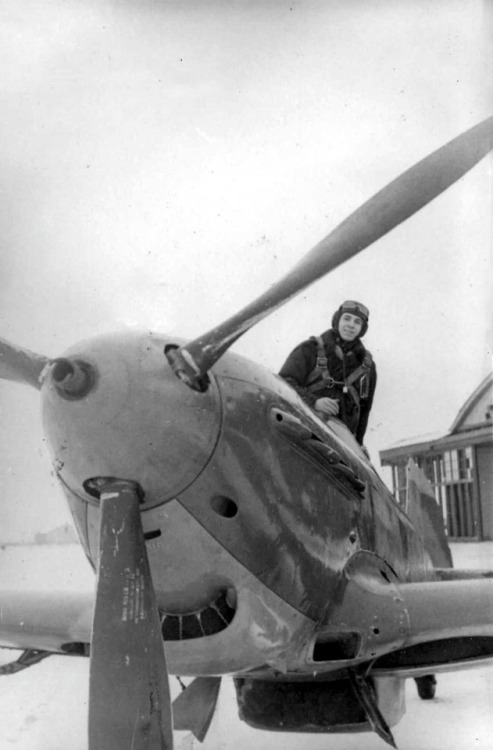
137	421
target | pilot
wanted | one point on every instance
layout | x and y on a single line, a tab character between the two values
334	373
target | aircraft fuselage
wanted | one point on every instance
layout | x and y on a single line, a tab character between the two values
252	505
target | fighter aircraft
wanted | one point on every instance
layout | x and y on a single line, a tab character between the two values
233	532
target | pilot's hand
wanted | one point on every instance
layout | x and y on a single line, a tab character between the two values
329	407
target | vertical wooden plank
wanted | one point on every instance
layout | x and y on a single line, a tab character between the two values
449	499
476	496
466	500
460	510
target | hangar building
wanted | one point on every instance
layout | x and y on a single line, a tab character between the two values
459	466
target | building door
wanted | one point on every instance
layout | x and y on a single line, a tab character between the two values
458	491
452	475
484	483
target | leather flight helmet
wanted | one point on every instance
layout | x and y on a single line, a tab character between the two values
355	308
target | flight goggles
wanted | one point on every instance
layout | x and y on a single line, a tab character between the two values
356	308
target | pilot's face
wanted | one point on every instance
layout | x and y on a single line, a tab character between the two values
350	326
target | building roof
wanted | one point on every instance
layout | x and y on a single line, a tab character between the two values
472	401
473	425
417	439
451	441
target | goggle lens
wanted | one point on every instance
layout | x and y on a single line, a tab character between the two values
356	306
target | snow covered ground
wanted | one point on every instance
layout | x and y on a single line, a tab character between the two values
45	707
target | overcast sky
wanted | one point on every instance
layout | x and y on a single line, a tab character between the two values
163	163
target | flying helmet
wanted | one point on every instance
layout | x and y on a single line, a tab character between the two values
355	308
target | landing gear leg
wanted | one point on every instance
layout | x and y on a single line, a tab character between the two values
366	696
26	659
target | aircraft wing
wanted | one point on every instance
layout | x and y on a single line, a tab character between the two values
400	627
42	623
450	627
50	620
407	628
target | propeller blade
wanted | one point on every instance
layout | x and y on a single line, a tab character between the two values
129	698
21	365
392	205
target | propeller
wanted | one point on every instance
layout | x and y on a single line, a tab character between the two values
392	205
129	697
21	365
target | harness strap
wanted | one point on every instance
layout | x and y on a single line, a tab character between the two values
320	377
364	368
362	373
321	356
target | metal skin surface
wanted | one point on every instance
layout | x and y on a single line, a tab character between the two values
37	621
138	422
264	631
276	553
298	522
189	567
231	501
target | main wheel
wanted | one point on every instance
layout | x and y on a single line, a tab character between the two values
427	686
